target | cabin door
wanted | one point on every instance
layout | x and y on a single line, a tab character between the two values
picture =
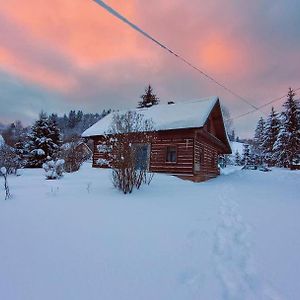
142	156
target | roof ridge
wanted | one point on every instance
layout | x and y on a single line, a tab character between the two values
175	103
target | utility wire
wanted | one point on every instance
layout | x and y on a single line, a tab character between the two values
148	36
261	106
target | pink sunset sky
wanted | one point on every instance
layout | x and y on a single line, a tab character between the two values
71	54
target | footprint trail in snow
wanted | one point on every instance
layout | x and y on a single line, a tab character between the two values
234	265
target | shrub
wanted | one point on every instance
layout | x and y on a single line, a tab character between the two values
74	155
54	168
129	133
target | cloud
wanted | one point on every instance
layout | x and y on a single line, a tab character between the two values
23	101
32	59
79	55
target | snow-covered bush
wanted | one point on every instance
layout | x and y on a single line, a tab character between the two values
54	168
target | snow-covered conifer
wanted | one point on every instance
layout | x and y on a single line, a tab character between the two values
272	127
55	134
246	159
287	146
43	142
237	158
148	99
257	147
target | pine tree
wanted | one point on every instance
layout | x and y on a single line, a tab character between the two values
272	127
232	135
21	150
148	99
237	158
43	142
79	116
287	146
55	136
257	147
72	121
246	160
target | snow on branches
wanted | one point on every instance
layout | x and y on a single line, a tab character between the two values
126	150
54	168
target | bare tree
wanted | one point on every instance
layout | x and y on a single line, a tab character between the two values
74	155
4	173
128	142
9	159
227	120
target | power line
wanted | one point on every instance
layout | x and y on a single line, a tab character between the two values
261	106
148	36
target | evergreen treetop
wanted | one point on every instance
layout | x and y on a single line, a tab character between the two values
148	99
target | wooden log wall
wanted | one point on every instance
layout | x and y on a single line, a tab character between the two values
184	143
197	155
207	153
97	155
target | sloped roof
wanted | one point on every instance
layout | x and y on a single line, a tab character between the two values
192	114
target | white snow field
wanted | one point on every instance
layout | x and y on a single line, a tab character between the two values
233	237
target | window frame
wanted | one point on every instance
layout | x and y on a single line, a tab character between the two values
176	154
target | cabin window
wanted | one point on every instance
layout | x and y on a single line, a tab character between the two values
171	154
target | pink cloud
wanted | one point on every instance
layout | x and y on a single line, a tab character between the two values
79	50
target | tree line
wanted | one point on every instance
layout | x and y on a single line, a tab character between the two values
35	145
276	140
71	125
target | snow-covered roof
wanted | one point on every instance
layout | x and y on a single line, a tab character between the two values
180	115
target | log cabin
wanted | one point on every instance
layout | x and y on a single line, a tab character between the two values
189	138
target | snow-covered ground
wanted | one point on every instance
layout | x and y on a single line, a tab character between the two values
233	237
